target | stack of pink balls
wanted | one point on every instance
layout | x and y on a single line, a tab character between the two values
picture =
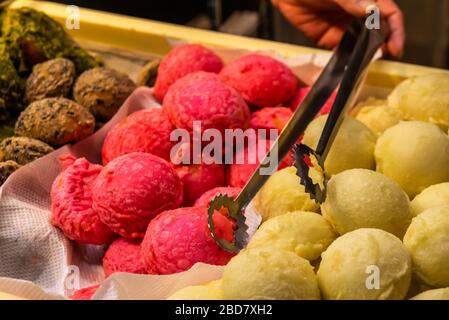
150	211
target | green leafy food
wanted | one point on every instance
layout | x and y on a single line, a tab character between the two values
11	85
33	37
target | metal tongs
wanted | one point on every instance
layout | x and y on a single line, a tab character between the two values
346	68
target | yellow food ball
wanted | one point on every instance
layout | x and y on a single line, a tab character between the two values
369	102
435	294
365	264
269	274
209	291
431	197
427	240
283	193
415	154
306	234
353	146
8	296
377	115
416	287
361	198
423	98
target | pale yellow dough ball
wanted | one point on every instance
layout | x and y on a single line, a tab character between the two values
427	240
435	294
377	115
353	146
369	102
431	197
269	274
423	98
416	287
306	234
8	296
415	154
365	264
361	198
283	193
209	291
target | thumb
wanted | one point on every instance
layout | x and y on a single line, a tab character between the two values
356	8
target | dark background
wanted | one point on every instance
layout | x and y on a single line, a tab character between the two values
427	22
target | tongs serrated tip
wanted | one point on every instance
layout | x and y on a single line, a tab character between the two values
365	45
233	211
302	161
353	40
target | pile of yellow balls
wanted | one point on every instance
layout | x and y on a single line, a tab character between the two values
383	230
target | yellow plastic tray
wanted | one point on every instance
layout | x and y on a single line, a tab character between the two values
149	36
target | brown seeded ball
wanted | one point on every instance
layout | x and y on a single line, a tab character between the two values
148	74
56	121
53	78
6	169
23	150
102	91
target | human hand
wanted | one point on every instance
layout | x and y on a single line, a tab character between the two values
325	21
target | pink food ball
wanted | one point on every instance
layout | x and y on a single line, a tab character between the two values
204	97
85	293
270	118
303	92
208	196
143	131
132	189
71	203
262	81
181	61
123	255
199	178
177	239
238	174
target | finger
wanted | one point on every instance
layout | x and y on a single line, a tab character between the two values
395	18
337	25
323	32
307	22
396	40
356	8
275	3
331	38
391	12
313	28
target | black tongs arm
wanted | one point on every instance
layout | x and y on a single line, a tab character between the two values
345	67
320	92
369	41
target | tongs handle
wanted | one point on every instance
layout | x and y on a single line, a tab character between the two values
346	66
369	41
320	92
